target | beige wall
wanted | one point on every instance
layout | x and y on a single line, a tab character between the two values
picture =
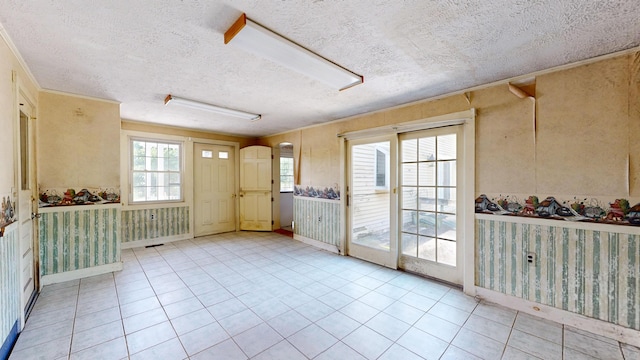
576	139
78	142
8	113
167	130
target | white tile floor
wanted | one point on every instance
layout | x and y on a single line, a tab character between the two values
266	296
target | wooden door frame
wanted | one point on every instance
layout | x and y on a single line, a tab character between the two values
236	177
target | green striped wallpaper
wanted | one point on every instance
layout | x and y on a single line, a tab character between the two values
317	219
137	224
78	239
589	272
9	281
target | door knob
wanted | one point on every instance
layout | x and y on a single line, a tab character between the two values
34	216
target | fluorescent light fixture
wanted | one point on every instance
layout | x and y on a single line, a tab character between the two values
261	41
208	107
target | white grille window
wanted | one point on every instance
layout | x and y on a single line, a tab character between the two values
286	174
156	170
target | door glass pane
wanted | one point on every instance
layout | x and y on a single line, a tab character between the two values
410	174
207	154
447	252
427	149
409	244
434	224
447	226
427	223
409	221
428	199
370	205
446	147
410	198
447	173
427	173
410	150
24	151
427	248
446	199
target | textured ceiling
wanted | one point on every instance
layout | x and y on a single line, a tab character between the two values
137	52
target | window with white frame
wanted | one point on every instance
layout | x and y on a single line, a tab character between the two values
381	169
286	174
156	170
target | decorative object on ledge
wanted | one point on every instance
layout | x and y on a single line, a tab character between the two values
82	197
8	215
484	204
619	212
320	193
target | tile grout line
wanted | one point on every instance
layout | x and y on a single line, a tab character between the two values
75	316
124	332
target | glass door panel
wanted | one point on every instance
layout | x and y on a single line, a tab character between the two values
428	205
371	203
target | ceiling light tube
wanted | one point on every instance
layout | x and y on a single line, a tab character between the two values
261	41
209	107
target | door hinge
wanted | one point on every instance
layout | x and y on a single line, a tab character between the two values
272	200
272	182
272	157
347	200
272	222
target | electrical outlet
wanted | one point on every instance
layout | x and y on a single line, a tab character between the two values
319	218
531	257
153	216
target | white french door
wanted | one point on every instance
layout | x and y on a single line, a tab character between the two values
404	201
372	200
429	206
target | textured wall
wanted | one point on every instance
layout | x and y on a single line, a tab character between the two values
159	129
582	135
137	224
78	142
589	272
9	63
317	219
73	239
9	285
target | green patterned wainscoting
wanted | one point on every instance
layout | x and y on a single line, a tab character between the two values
78	237
9	288
137	224
583	268
317	219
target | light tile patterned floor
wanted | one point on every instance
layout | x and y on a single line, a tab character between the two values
266	296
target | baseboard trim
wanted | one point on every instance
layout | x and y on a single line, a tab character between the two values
599	327
317	243
155	241
10	341
79	274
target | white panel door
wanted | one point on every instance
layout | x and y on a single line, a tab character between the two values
26	206
214	189
255	188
